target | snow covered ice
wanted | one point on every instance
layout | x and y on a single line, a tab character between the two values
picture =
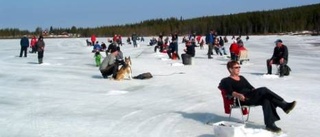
67	97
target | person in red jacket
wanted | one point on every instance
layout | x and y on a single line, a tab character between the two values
33	44
93	39
234	51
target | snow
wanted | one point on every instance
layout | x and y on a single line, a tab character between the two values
67	97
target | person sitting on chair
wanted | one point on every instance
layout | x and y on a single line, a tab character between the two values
279	56
237	86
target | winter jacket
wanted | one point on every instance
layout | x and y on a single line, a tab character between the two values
96	47
210	38
107	61
191	50
234	48
33	42
279	53
40	45
24	42
93	38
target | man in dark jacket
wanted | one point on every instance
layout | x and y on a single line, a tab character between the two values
24	43
210	41
280	57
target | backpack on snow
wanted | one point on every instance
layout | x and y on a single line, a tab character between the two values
286	70
147	75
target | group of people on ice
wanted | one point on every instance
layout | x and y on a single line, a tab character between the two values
36	45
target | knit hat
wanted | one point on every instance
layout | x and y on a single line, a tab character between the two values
278	40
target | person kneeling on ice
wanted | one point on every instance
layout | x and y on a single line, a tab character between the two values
109	65
237	86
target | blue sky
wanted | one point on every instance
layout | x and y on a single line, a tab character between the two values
29	14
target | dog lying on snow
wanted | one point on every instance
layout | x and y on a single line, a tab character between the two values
125	70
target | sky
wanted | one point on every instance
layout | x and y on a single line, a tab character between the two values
66	96
92	13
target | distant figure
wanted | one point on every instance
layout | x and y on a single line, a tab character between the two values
103	46
159	45
93	39
247	38
97	58
210	38
40	45
88	42
234	51
129	40
225	39
96	47
134	38
24	43
222	49
33	44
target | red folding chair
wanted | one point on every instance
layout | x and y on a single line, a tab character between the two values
231	102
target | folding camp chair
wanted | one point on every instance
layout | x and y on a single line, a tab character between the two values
231	102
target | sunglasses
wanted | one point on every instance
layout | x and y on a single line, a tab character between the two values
236	67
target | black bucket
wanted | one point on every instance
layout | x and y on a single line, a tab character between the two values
186	59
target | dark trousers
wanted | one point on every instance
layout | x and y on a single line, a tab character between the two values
110	70
160	47
210	50
269	102
40	56
275	61
23	50
234	57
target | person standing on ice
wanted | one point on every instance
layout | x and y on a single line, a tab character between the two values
40	45
210	38
33	44
237	86
174	39
279	56
93	39
24	43
134	38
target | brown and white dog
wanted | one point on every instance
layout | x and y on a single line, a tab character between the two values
125	70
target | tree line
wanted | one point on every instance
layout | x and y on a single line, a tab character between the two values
250	23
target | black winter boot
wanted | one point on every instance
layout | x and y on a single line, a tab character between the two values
289	107
273	128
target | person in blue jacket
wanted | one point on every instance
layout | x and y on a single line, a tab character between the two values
24	43
210	41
